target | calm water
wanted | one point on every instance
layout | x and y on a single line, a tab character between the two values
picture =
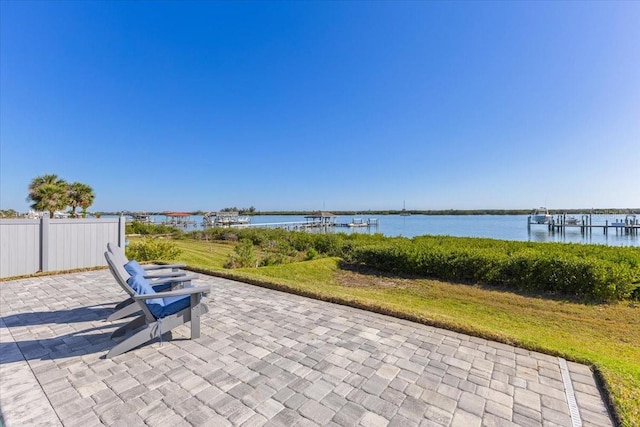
506	227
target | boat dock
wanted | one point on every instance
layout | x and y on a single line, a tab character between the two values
224	219
178	219
630	224
318	221
289	225
141	217
359	223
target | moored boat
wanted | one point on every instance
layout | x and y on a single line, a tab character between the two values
141	217
571	220
222	219
541	216
357	222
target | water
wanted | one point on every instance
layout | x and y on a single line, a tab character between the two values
506	227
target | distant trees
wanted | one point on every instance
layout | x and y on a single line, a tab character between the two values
8	213
51	193
80	196
241	210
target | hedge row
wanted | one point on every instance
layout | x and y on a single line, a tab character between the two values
593	272
137	227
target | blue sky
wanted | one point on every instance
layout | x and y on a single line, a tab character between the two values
303	105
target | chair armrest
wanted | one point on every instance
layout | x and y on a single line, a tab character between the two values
160	267
179	279
159	275
175	293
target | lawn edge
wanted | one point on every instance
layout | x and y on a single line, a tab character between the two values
601	381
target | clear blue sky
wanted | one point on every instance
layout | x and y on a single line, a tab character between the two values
303	105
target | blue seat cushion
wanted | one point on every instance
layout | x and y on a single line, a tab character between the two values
161	287
159	307
134	268
171	305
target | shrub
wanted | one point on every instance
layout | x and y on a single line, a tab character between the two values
150	249
137	227
242	256
311	254
272	259
230	237
277	252
594	273
587	271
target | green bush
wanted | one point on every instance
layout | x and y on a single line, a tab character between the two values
272	259
150	249
137	227
311	254
243	256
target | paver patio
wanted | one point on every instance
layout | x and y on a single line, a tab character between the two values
268	358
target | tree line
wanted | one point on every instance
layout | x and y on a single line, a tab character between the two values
50	193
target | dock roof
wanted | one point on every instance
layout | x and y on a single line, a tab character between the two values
177	214
321	214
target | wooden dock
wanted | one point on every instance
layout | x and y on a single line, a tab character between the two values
359	223
322	221
561	223
288	225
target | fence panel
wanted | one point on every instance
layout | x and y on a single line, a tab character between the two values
79	243
19	247
29	246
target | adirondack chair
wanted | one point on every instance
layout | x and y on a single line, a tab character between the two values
161	311
162	281
120	256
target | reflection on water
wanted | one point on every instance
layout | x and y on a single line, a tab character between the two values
589	237
505	227
613	236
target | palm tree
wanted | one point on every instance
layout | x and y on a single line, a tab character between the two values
48	193
50	197
80	195
44	179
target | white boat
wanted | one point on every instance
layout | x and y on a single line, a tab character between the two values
34	215
237	220
541	216
357	222
141	217
224	219
571	220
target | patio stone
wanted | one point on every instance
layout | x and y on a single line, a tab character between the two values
265	358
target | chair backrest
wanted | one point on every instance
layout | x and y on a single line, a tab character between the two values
117	252
119	273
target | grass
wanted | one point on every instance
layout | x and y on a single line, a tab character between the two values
605	336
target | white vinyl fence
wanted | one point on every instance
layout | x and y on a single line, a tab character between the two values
31	245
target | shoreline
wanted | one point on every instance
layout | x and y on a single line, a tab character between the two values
434	212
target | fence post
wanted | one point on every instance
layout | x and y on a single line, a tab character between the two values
121	229
44	242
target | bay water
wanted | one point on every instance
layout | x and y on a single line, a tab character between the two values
505	227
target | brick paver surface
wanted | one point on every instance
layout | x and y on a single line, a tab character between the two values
266	358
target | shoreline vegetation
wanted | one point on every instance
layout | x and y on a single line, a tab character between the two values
11	213
580	320
604	211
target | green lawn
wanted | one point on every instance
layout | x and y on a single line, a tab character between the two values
606	336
